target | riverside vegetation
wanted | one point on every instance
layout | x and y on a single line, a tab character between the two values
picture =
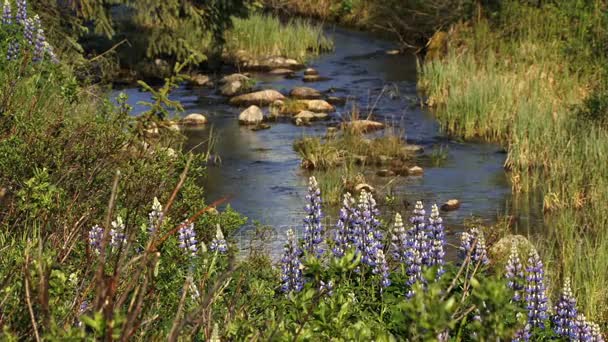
105	234
534	79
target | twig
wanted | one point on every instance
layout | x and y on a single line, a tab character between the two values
27	295
109	50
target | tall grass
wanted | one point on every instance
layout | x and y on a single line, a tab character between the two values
262	35
516	81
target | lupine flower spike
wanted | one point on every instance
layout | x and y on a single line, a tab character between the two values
437	240
187	239
366	235
13	51
21	11
418	234
399	240
313	227
564	320
29	31
117	233
474	243
344	227
155	216
7	16
291	266
39	47
413	270
95	237
381	269
514	272
219	242
327	288
536	299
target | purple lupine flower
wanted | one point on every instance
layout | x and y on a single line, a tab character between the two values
514	272
117	233
474	243
7	15
564	320
417	220
413	270
39	47
82	309
48	49
313	227
21	16
596	333
291	266
29	30
436	232
95	237
13	51
344	227
187	239
219	243
366	235
536	299
327	288
155	216
583	331
381	269
399	240
523	335
418	234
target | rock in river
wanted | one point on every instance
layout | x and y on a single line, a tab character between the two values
251	116
306	116
450	205
260	98
415	171
193	119
363	125
311	72
319	106
305	93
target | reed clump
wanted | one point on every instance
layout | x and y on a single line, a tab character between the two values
521	80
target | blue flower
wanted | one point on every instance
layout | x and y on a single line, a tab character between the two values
514	272
327	288
155	216
473	243
39	47
187	239
21	11
291	266
13	51
399	240
413	269
436	232
313	227
7	16
564	320
344	227
29	30
381	269
523	334
536	299
219	243
95	237
117	233
418	234
366	236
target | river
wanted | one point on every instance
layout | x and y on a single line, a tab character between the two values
260	170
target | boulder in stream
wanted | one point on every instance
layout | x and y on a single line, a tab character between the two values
251	116
199	80
260	98
282	72
450	205
318	106
193	120
305	93
311	72
363	126
415	171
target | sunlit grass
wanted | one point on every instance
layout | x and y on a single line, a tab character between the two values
522	91
262	35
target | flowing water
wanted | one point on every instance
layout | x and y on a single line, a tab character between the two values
260	170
